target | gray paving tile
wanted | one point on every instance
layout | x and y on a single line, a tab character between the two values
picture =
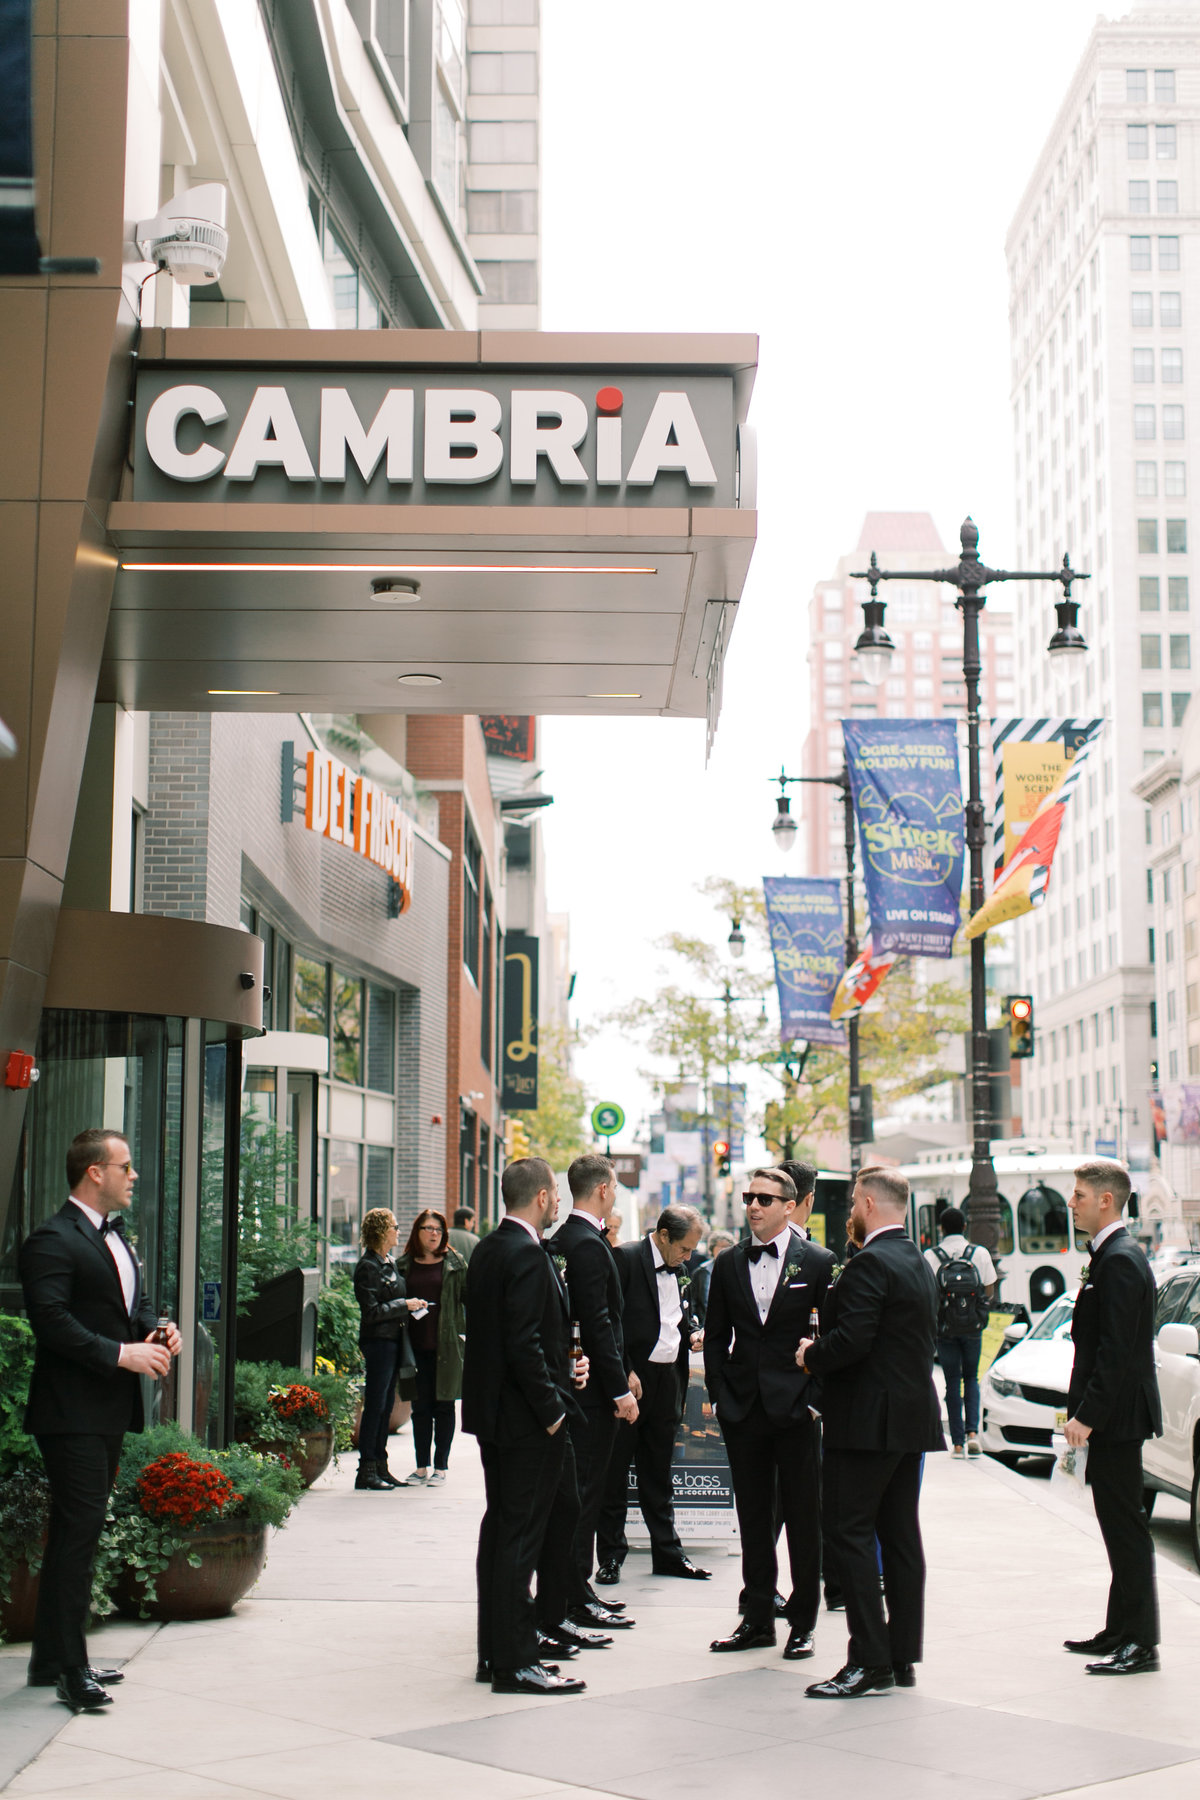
770	1700
610	1741
1020	1750
784	1769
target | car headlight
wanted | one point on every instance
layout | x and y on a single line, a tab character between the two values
1002	1385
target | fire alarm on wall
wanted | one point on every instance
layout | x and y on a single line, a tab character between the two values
436	1119
20	1070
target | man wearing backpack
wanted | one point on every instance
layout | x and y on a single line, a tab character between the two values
966	1282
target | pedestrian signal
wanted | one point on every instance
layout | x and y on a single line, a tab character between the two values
1020	1025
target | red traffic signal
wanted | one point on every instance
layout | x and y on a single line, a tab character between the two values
1020	1025
721	1157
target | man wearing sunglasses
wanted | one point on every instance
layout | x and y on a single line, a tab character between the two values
760	1303
94	1324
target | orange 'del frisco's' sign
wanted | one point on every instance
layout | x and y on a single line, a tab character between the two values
351	810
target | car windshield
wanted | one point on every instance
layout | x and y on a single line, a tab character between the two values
1056	1322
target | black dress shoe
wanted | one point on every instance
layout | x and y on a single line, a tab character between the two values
608	1574
1128	1659
1103	1644
49	1677
747	1637
799	1645
547	1645
367	1481
536	1679
834	1601
483	1670
685	1570
780	1607
77	1689
582	1639
852	1681
905	1673
596	1614
609	1605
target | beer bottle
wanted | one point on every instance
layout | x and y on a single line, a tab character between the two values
161	1329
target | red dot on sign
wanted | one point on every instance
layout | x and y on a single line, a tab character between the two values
609	400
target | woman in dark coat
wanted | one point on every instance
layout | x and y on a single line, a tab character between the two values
435	1273
379	1290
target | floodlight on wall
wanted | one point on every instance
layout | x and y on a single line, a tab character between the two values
187	237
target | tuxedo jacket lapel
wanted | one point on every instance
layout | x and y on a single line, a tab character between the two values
742	1252
92	1237
792	1262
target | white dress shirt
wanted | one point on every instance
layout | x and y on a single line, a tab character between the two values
879	1231
765	1273
118	1249
525	1226
1100	1236
670	1311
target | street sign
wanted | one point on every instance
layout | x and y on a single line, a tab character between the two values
607	1119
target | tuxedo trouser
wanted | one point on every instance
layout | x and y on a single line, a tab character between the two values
593	1436
559	1587
767	1460
1114	1473
81	1469
520	1484
869	1495
650	1446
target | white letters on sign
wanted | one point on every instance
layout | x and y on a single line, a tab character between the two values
349	809
462	438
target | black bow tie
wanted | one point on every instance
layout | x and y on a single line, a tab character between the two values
663	1270
771	1249
114	1223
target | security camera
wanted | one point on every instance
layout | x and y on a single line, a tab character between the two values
188	237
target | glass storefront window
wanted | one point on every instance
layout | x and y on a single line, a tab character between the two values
380	1162
347	1028
343	1199
310	1001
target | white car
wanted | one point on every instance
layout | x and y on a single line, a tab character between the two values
1026	1387
1172	1462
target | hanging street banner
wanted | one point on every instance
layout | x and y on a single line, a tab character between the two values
862	979
728	1106
519	1063
804	918
1031	757
907	796
1024	880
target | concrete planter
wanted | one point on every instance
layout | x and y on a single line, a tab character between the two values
231	1561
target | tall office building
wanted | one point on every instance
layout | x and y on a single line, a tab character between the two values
1100	255
925	680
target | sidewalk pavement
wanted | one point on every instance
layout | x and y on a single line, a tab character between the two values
348	1672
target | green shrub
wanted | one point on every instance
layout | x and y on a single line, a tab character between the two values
338	1320
17	1448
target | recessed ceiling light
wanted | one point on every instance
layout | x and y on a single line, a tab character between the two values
249	691
614	696
327	568
396	591
419	680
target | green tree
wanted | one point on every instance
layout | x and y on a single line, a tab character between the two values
557	1128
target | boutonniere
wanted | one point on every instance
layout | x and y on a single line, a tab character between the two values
837	1270
685	1281
560	1263
1085	1274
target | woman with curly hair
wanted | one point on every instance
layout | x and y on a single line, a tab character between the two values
434	1272
385	1309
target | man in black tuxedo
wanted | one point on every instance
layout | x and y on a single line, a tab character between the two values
880	1414
93	1324
658	1331
760	1303
1112	1407
517	1397
594	1288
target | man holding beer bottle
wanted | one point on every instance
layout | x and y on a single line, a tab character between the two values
761	1303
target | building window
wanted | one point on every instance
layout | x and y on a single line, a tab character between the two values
1175	480
1177	593
1147	531
511	283
515	141
1148	594
1167	197
381	1045
1181	651
1139	252
447	152
1137	142
1151	651
347	1028
355	307
1170	309
1172	365
504	12
1172	424
1176	537
380	1167
1143	422
1168	254
1135	87
343	1189
1152	709
486	1033
1143	365
1164	86
1141	309
504	72
1164	143
472	883
1139	196
1145	477
508	213
310	997
1179	706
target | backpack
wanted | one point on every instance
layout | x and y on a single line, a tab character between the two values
962	1297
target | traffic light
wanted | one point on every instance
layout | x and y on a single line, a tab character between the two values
721	1160
1020	1025
516	1140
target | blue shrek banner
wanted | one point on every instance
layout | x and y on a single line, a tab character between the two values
908	798
804	917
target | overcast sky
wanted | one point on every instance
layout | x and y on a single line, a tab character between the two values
838	178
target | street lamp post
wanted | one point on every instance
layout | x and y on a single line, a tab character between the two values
874	648
784	830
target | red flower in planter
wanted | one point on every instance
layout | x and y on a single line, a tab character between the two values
299	1405
176	1490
